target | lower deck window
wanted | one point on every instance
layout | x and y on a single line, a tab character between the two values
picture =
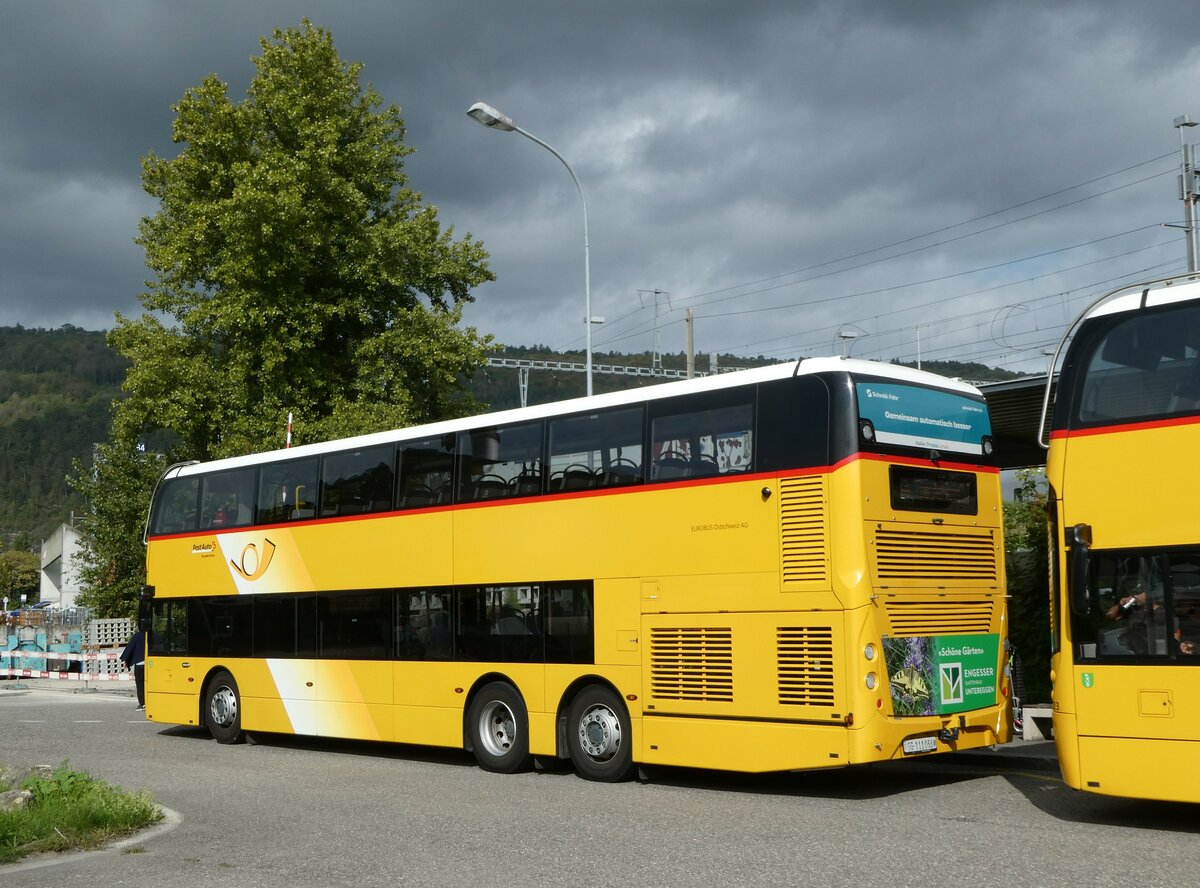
1141	606
528	623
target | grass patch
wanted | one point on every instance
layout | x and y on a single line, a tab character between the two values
62	809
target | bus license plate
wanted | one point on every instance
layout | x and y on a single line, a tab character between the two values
914	745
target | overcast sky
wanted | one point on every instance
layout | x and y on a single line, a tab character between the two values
959	178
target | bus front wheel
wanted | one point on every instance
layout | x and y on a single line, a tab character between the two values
599	737
498	726
223	709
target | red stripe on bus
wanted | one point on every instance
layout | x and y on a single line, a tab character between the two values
1171	422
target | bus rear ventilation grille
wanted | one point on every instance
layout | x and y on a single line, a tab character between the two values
938	617
804	658
933	556
691	664
803	529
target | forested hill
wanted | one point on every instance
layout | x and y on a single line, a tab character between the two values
56	387
55	390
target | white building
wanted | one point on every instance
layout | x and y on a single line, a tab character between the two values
61	560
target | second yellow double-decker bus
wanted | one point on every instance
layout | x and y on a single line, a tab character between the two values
1126	537
793	567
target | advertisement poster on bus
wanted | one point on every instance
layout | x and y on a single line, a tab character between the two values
911	416
942	674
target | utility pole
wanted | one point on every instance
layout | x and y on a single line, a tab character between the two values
656	359
690	321
1188	192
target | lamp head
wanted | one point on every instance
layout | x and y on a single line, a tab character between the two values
491	118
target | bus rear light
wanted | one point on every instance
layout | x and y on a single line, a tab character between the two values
871	681
869	651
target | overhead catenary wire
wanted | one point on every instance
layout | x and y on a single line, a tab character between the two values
726	293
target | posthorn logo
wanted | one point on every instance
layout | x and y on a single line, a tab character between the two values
951	675
252	564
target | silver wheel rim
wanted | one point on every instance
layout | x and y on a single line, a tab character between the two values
497	728
224	707
599	733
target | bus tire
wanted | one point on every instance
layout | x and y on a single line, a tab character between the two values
223	709
498	728
599	736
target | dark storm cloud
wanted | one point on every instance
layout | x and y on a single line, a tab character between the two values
722	146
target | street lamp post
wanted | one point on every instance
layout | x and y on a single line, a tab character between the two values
847	333
493	119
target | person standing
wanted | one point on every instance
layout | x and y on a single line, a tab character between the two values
134	657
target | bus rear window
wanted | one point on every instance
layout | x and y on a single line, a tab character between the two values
933	490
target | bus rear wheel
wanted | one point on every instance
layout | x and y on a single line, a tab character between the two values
498	728
599	736
223	709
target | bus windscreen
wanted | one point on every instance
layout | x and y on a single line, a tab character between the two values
931	419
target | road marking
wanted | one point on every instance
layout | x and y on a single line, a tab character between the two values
31	721
89	721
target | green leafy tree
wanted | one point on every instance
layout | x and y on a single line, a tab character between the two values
295	271
1027	565
20	574
113	566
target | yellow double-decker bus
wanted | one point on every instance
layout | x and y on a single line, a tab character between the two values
1126	541
792	567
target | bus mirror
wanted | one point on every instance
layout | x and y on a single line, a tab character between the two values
145	608
1081	542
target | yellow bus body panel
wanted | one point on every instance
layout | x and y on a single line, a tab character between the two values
782	681
1133	730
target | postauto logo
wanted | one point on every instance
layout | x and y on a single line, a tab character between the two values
252	564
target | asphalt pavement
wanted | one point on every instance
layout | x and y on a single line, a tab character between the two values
1022	755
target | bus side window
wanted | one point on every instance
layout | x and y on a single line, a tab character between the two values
358	481
168	628
793	425
175	511
702	435
596	450
1128	615
287	491
426	471
500	462
226	499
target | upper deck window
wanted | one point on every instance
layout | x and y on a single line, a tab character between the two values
175	509
287	491
500	462
702	435
1140	366
227	499
596	450
357	481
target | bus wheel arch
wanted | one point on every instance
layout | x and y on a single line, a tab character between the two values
221	707
496	726
599	731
